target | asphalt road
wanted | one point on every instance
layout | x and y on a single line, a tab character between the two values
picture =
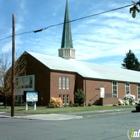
104	127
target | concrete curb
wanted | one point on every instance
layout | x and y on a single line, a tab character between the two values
49	117
89	114
68	116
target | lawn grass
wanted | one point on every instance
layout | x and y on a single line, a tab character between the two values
44	110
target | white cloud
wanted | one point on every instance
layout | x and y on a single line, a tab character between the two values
7	47
98	37
22	4
111	34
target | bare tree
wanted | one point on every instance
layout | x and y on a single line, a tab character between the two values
5	74
4	65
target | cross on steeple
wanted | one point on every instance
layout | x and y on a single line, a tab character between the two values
67	50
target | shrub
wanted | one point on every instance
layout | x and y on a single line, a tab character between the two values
82	105
89	104
79	97
76	104
71	104
55	102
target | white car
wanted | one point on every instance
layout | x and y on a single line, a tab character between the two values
138	107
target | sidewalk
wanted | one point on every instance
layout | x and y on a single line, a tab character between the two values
67	116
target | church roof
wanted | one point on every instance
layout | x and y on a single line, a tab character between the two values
66	35
86	69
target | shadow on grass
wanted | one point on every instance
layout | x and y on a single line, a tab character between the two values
23	109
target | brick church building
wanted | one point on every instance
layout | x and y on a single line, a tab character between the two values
61	76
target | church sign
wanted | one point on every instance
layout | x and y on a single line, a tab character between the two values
31	96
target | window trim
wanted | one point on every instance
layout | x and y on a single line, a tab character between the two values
65	98
116	89
67	83
23	82
63	82
138	90
60	82
126	87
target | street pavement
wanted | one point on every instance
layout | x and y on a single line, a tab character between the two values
104	127
67	116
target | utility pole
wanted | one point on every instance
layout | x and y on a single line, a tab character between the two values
13	66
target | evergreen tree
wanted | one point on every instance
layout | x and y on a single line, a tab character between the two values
131	62
79	97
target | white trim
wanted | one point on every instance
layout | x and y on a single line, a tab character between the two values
63	82
60	82
19	90
116	89
126	86
138	87
67	83
88	70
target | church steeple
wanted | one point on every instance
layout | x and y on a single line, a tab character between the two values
66	36
67	50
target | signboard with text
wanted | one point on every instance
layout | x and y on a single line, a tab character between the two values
31	96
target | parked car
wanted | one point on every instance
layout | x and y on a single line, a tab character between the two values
138	107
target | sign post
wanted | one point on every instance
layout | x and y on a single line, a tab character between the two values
35	106
26	106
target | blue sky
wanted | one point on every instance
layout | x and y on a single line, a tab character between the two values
103	39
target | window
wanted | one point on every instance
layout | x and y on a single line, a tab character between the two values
127	88
16	82
60	96
139	91
67	82
30	82
68	99
19	100
64	83
60	82
24	82
65	98
115	89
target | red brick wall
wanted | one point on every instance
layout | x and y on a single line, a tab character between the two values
121	89
108	101
133	90
42	78
54	86
92	88
79	82
46	83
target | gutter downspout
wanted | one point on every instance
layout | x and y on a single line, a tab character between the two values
85	91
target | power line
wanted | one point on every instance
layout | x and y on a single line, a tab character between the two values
6	37
41	29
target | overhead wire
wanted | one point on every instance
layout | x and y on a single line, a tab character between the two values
41	29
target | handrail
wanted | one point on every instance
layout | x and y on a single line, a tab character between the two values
93	98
